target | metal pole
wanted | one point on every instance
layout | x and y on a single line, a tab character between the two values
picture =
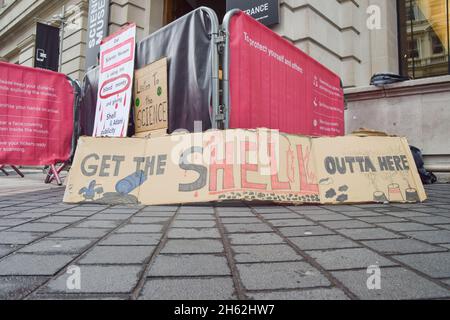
448	38
61	40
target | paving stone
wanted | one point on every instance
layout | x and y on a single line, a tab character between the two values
74	213
357	258
190	233
328	217
4	250
39	227
98	279
407	214
189	265
434	220
188	289
195	217
305	231
291	223
265	253
51	245
369	234
80	233
196	210
348	224
323	242
100	224
160	209
346	208
240	220
281	275
132	239
7	237
14	288
271	209
401	246
396	284
110	216
406	226
440	236
193	224
117	255
193	246
59	219
33	264
149	220
235	214
315	294
140	228
277	216
255	238
247	228
12	222
436	265
381	219
357	214
145	214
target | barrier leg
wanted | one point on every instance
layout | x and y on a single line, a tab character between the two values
18	171
4	171
53	174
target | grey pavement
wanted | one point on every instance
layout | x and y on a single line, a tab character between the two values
52	250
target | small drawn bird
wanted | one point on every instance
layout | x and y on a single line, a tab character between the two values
90	192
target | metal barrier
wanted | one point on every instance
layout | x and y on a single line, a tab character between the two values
53	170
270	83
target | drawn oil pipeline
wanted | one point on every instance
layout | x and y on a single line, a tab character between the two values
130	183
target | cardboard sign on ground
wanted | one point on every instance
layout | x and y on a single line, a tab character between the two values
151	97
244	165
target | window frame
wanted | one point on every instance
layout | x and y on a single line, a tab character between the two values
404	38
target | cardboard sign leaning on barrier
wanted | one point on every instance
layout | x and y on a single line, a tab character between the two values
244	165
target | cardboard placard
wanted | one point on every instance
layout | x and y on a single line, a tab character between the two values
151	97
244	165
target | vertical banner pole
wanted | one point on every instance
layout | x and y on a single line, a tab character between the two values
61	40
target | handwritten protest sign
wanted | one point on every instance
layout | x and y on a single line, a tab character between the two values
244	165
115	83
151	98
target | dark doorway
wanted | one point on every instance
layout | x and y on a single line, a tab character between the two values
174	9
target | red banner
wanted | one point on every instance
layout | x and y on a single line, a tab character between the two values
273	84
36	116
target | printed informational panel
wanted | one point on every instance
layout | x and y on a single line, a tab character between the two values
273	84
115	83
243	165
150	97
36	116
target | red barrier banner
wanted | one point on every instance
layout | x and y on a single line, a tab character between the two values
275	85
36	116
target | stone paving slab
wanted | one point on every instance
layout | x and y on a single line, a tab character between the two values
280	275
188	289
223	251
315	294
189	265
341	259
265	253
33	264
396	284
436	265
98	279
